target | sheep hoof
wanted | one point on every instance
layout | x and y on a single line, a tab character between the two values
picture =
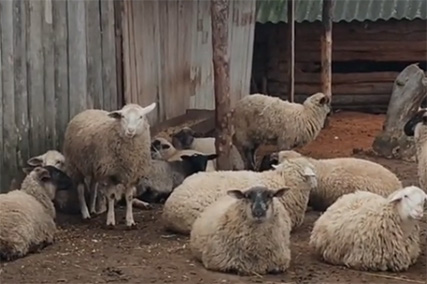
276	271
109	226
131	225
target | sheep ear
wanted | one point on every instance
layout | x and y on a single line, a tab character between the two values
35	161
396	198
308	172
146	110
165	146
115	114
275	166
212	156
185	157
424	119
280	192
236	194
27	170
43	174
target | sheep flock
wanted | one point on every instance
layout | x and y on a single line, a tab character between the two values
237	221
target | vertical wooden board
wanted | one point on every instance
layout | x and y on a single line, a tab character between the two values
250	35
77	56
35	65
118	25
20	73
94	52
3	185
129	54
109	74
60	38
126	52
159	93
9	128
49	76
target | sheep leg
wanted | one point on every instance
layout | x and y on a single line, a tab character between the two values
82	200
129	201
249	157
140	204
111	219
93	189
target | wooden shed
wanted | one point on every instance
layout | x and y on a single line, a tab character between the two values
373	40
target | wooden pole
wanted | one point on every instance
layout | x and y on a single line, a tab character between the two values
223	123
291	50
326	43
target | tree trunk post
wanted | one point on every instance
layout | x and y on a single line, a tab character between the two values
223	123
291	50
326	47
409	90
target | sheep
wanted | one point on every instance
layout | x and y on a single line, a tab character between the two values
245	232
365	231
339	176
165	176
162	149
416	127
261	119
113	148
27	216
198	191
185	139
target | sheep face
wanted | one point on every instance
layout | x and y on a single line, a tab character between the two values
417	124
258	201
132	119
50	178
159	147
409	202
321	100
50	158
198	162
183	138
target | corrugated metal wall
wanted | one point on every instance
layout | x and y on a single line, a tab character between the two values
168	54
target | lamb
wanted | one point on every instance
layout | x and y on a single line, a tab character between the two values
113	148
185	139
27	215
165	176
365	231
245	232
339	176
261	119
198	191
417	127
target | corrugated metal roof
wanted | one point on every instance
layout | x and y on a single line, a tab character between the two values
344	10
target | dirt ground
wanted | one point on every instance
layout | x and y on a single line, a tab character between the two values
88	253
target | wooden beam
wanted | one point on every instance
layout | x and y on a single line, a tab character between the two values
223	142
291	50
326	45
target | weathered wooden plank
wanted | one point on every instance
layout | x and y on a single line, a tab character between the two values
77	56
49	76
94	51
35	63
118	23
348	89
61	67
3	182
8	112
396	56
20	73
109	74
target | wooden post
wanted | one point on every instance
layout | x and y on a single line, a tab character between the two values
326	43
223	123
291	50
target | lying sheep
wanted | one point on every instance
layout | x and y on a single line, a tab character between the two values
162	149
200	190
365	231
247	233
165	176
261	119
339	176
113	148
27	215
185	139
417	127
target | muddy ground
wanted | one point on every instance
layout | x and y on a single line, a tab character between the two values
88	253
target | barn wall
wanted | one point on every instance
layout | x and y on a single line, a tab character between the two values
367	57
168	54
57	59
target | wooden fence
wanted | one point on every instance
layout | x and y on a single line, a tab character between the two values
57	59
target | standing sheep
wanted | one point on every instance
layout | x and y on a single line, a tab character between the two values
365	231
185	139
200	190
113	148
261	119
417	127
247	233
339	176
27	215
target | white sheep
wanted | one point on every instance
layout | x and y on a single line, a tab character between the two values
185	139
27	215
417	127
365	231
113	148
200	190
245	232
339	176
261	119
